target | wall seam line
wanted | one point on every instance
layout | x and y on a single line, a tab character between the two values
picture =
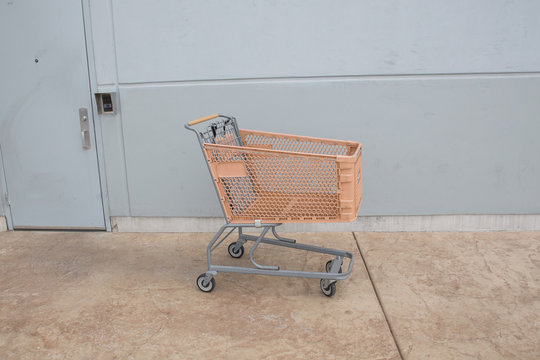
330	78
120	117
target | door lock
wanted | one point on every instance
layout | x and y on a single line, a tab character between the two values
106	103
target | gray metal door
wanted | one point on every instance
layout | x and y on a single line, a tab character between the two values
50	163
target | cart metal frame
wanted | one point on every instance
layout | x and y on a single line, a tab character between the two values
206	282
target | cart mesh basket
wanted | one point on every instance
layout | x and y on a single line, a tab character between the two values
277	178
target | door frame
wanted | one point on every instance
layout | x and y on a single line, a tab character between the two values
96	119
5	190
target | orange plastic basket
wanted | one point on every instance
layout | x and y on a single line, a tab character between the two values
277	178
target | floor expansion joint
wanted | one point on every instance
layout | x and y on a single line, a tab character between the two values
378	298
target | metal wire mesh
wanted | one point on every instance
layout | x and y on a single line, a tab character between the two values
222	131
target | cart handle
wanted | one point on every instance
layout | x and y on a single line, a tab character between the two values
203	119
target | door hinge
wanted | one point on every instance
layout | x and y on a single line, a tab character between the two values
6	197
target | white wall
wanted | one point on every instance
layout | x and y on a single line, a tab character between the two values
444	96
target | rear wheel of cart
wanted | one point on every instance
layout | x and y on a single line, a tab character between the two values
205	287
329	290
235	253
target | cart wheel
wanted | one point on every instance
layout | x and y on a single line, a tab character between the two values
208	287
329	267
235	254
330	290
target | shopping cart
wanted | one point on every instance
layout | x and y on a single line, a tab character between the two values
265	179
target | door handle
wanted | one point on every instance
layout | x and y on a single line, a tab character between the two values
85	128
85	139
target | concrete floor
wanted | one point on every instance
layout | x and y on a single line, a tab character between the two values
92	295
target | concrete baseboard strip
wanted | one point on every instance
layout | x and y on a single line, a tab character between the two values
3	223
529	222
165	224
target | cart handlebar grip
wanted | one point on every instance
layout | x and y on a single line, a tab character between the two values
203	119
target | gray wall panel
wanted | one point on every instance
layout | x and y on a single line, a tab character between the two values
193	40
433	145
115	168
103	41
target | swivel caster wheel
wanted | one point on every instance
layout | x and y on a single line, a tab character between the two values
329	290
328	266
235	253
205	287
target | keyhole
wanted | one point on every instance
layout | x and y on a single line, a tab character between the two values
36	60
